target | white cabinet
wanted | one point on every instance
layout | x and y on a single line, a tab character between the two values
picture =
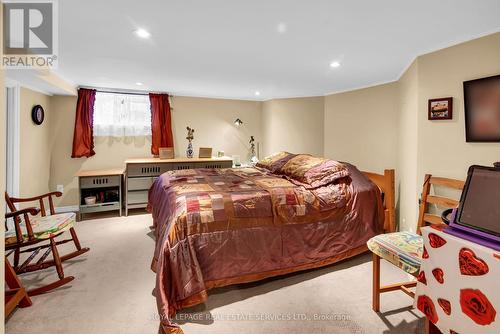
140	175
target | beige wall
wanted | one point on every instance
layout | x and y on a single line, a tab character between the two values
294	125
391	126
442	145
406	172
360	127
35	145
110	152
442	149
212	119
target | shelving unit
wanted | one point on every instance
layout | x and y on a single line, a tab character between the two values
105	185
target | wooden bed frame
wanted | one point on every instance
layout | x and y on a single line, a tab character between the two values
386	183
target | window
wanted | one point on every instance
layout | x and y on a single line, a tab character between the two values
122	115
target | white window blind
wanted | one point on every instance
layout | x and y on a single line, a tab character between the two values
121	115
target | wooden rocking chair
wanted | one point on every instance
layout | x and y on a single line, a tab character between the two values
15	293
31	234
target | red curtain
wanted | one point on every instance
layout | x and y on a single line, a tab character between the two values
161	124
83	137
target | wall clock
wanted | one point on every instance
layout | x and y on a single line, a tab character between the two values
37	114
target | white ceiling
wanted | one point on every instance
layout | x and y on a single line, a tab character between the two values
232	48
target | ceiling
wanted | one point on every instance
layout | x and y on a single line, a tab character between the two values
280	48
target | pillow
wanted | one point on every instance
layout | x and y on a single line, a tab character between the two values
275	162
313	172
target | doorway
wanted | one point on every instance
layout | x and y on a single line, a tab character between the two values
12	161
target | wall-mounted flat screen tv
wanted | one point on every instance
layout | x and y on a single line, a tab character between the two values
482	109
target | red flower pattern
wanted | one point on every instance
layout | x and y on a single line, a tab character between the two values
435	240
445	305
425	255
438	275
421	277
475	305
426	306
470	264
473	302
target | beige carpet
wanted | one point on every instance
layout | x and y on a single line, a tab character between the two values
112	293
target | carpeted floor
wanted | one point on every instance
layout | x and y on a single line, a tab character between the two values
112	293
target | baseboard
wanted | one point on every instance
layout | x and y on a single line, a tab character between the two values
70	208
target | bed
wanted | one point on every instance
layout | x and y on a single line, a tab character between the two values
217	227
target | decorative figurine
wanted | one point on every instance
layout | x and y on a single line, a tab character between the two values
253	155
190	137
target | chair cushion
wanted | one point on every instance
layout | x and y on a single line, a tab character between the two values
403	249
44	227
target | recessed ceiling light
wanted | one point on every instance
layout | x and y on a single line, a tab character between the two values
139	83
281	28
334	64
257	93
142	33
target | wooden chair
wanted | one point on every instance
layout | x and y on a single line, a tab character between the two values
30	235
404	249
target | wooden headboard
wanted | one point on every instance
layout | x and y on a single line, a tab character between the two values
386	183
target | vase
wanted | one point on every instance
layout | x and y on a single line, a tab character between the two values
189	150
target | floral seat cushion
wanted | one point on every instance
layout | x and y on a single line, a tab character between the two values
44	227
403	249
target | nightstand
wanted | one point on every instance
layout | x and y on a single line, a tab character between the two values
105	186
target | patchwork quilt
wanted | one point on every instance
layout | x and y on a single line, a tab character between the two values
216	227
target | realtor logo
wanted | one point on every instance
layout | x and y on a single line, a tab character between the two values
29	34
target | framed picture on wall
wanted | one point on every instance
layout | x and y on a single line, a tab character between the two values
482	109
440	109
